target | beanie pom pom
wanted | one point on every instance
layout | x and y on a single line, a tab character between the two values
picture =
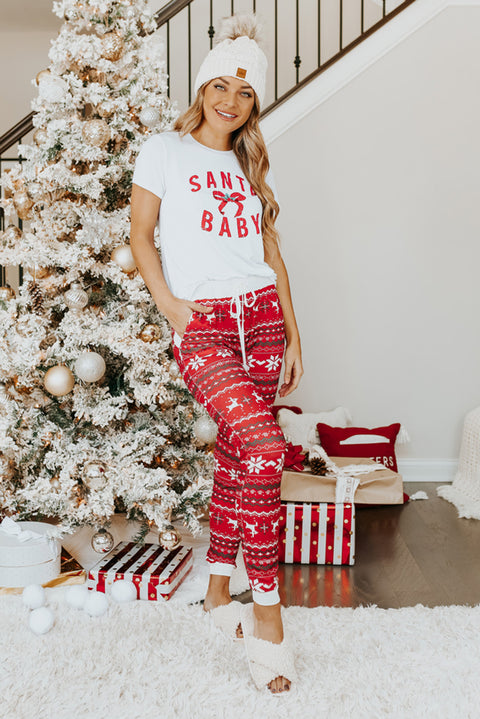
239	26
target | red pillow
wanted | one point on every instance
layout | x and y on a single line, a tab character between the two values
276	407
377	444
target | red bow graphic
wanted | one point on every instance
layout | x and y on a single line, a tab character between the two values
234	197
294	457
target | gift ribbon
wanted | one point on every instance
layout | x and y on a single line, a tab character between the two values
294	457
347	482
224	198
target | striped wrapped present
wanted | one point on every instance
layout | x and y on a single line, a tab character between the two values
317	533
156	572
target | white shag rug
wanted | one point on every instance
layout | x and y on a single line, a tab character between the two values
166	661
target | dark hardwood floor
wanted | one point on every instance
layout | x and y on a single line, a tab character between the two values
417	553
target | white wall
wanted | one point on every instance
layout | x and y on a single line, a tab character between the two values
379	191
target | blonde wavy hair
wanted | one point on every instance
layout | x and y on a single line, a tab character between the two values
250	149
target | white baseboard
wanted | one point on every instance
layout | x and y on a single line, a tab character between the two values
427	470
353	63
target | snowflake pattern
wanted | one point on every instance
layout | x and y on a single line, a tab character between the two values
273	362
256	464
196	362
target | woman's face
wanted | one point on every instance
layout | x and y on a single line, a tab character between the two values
227	103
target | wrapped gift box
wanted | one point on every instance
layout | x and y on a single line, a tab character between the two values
317	533
156	572
381	486
28	553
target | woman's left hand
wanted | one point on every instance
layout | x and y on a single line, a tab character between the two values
293	368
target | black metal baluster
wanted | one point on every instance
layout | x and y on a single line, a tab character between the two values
231	8
298	59
341	25
319	15
189	55
276	49
254	6
384	8
168	58
362	30
211	29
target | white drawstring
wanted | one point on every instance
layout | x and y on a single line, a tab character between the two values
241	301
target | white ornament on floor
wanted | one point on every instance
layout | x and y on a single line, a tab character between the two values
96	604
41	620
33	596
123	590
76	596
419	495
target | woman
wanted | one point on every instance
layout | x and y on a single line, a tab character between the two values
224	289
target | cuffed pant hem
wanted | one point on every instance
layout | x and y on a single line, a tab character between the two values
266	599
221	569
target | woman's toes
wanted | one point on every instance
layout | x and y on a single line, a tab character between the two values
239	632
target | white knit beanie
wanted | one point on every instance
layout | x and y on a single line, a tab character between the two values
236	54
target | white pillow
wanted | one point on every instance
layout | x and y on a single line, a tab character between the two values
302	428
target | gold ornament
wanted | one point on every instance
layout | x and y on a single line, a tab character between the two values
42	75
97	76
123	257
6	467
112	46
93	475
7	293
59	380
23	204
40	272
96	132
169	539
40	136
150	333
36	191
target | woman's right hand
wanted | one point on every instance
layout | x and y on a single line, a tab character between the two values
179	311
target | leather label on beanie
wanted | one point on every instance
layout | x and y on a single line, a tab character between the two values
241	72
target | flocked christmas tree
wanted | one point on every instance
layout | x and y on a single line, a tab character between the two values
94	417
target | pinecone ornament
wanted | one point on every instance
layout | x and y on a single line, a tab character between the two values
36	297
318	466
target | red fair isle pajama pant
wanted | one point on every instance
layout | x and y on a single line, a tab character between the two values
230	360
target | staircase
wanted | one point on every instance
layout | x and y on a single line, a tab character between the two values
303	41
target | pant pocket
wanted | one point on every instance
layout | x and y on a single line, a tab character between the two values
176	337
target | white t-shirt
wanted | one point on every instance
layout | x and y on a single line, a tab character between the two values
210	219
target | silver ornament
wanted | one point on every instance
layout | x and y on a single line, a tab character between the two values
123	257
149	116
90	366
169	539
96	132
23	204
174	370
76	298
59	380
93	475
102	541
205	430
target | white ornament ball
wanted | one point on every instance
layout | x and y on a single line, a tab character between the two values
76	596
33	596
149	116
41	620
76	298
59	380
96	132
96	604
123	590
205	430
90	366
52	89
123	257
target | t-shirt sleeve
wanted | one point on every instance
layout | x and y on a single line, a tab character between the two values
270	179
150	165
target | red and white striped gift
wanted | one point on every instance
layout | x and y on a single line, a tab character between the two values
317	533
156	572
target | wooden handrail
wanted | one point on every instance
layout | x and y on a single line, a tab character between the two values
170	10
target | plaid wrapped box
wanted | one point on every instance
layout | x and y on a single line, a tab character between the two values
156	572
317	533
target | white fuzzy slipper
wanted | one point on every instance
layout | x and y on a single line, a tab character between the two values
227	618
266	660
